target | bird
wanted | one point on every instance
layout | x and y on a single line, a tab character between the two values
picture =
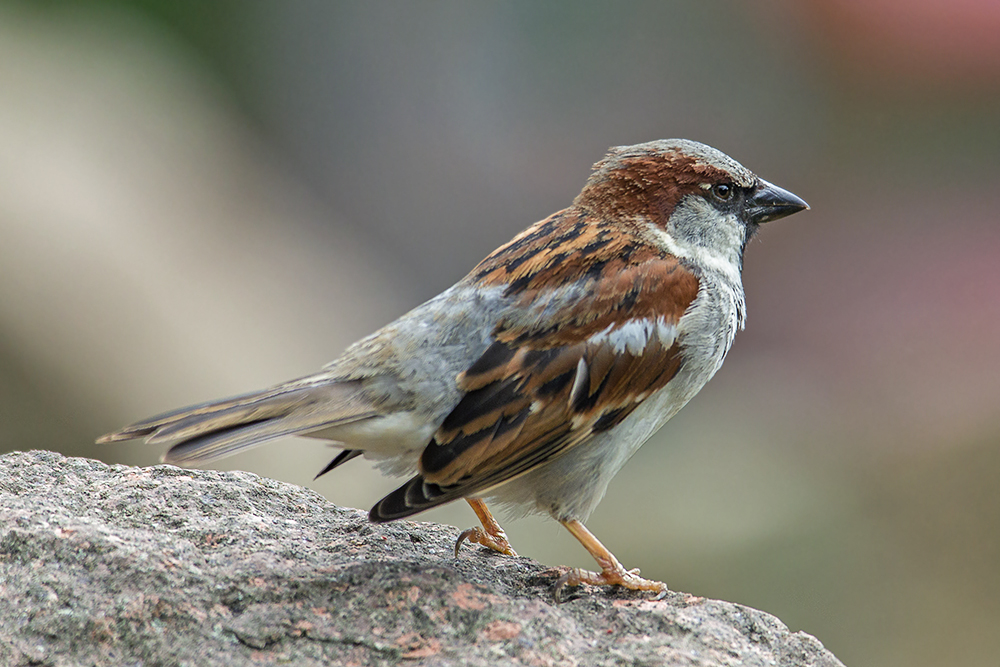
531	381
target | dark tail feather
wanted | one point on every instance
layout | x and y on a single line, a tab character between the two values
341	458
209	431
413	497
229	440
201	412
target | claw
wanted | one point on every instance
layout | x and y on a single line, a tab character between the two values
477	535
561	583
463	536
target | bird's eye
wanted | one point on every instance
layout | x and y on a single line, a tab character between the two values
722	191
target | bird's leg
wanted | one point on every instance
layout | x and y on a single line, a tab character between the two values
612	572
490	535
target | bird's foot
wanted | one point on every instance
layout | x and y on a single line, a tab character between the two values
496	541
609	576
491	535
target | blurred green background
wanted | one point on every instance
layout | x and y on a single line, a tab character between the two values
202	198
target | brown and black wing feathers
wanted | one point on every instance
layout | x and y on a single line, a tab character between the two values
552	380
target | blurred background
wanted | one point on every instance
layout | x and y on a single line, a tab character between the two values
198	199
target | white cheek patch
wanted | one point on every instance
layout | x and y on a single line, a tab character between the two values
728	236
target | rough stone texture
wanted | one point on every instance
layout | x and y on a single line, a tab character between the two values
112	565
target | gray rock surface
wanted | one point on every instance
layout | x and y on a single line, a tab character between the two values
112	565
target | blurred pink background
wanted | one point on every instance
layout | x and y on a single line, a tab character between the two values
198	200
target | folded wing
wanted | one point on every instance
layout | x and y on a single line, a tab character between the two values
572	360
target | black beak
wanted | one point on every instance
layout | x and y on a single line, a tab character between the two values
769	202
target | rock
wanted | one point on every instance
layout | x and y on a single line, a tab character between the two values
112	565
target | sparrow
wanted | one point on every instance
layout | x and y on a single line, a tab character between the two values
533	380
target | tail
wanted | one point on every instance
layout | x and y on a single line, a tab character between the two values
414	497
210	431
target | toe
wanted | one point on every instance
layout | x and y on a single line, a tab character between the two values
477	535
628	579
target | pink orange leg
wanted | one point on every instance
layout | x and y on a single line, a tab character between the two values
490	535
612	572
